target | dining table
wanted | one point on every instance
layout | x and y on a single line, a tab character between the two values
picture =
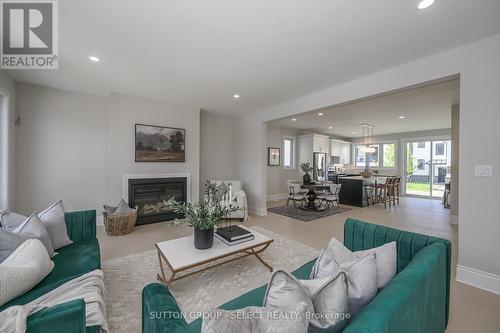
312	195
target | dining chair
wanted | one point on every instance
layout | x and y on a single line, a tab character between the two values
295	195
331	197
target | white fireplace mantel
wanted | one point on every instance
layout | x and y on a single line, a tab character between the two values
155	175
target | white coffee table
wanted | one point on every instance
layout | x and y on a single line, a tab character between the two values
181	255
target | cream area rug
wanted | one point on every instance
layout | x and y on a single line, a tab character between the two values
126	277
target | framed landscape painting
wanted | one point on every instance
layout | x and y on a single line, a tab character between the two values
159	144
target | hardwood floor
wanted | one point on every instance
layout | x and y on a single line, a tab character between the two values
472	309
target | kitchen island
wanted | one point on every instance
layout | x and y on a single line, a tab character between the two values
353	191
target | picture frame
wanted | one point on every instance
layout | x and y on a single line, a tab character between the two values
273	156
155	143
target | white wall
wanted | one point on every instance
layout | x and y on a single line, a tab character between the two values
478	65
251	161
123	113
218	148
7	139
76	147
61	149
276	175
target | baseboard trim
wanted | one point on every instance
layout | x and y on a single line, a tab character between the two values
479	279
276	197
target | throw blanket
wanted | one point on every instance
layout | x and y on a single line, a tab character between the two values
244	204
89	286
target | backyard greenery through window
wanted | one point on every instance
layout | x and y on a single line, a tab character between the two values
383	156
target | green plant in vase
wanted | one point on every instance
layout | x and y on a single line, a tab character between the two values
207	213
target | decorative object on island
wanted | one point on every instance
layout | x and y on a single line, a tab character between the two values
368	149
119	220
204	215
273	156
306	168
159	144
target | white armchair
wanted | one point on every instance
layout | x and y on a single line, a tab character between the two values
239	199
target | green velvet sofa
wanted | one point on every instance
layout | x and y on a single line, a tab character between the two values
416	300
71	261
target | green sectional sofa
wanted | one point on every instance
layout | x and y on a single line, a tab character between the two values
71	261
416	300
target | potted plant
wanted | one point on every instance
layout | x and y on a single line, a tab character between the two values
204	215
306	168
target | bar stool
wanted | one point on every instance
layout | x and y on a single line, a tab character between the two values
396	186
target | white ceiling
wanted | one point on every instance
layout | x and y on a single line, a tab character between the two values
200	53
424	108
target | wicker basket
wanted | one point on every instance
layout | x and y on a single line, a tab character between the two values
118	225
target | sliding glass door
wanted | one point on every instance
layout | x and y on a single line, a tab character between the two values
427	167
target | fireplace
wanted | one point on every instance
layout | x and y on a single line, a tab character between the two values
149	195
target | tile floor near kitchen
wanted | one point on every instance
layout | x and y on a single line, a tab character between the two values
472	309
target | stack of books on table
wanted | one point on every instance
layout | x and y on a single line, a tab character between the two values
233	235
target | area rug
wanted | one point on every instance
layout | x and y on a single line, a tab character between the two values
305	215
125	277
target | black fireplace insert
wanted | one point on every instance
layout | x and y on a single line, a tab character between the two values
150	195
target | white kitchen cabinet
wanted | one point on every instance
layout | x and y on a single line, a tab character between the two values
345	153
320	143
335	148
341	149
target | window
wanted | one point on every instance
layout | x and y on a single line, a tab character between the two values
440	149
374	157
389	157
383	156
360	156
421	145
421	164
288	152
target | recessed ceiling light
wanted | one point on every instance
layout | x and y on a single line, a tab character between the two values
425	4
402	117
294	119
94	59
236	96
320	113
330	127
353	132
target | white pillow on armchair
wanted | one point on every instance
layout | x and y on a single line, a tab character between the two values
238	197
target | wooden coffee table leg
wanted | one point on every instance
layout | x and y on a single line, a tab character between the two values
256	254
263	262
162	271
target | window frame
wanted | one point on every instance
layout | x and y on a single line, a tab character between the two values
293	140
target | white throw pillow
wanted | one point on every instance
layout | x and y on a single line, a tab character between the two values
33	226
326	298
121	209
10	220
23	269
386	259
53	219
253	319
361	277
